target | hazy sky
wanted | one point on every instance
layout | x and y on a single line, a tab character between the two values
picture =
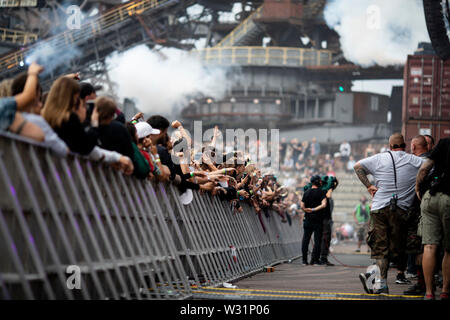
376	86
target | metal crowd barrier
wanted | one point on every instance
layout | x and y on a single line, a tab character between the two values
76	229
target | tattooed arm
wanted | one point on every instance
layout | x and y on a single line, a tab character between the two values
422	174
362	175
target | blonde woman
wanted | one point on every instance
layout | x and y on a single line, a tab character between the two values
65	115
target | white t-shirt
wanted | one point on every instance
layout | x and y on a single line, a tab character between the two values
381	168
345	149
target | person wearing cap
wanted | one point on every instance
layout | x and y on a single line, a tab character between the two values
313	203
395	173
148	149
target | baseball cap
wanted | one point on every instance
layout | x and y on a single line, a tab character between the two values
315	179
187	197
144	129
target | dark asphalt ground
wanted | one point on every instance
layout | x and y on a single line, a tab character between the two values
320	280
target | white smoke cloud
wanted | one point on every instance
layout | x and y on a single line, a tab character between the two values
158	83
379	32
47	55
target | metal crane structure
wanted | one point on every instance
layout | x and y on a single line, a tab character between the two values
290	63
108	26
287	71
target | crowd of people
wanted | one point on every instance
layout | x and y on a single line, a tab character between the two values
409	214
71	118
405	216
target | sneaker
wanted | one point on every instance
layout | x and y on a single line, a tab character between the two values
415	290
380	286
305	263
325	262
382	290
363	277
401	279
410	276
429	297
444	296
314	262
357	250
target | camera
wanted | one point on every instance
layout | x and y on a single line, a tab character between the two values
393	202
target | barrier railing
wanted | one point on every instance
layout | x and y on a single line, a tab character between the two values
76	229
17	36
265	56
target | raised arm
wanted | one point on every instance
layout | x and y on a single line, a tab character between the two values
177	125
29	91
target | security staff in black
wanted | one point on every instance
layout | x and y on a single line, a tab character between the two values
313	203
327	227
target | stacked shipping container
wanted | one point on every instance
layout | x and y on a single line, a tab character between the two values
426	97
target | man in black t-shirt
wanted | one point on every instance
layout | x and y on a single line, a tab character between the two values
313	203
435	209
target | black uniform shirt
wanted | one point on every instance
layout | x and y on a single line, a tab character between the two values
313	198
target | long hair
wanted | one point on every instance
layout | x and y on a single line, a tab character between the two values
60	101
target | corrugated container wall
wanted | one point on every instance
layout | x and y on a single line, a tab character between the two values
426	97
370	108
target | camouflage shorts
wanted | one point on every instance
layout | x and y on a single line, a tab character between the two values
387	233
414	239
362	232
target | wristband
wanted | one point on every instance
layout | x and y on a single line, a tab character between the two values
312	209
224	171
32	74
158	160
134	121
238	193
192	174
251	191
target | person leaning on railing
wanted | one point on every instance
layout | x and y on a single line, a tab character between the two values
234	179
11	118
141	165
32	113
65	114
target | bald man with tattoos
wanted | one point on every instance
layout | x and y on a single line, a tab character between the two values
392	195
